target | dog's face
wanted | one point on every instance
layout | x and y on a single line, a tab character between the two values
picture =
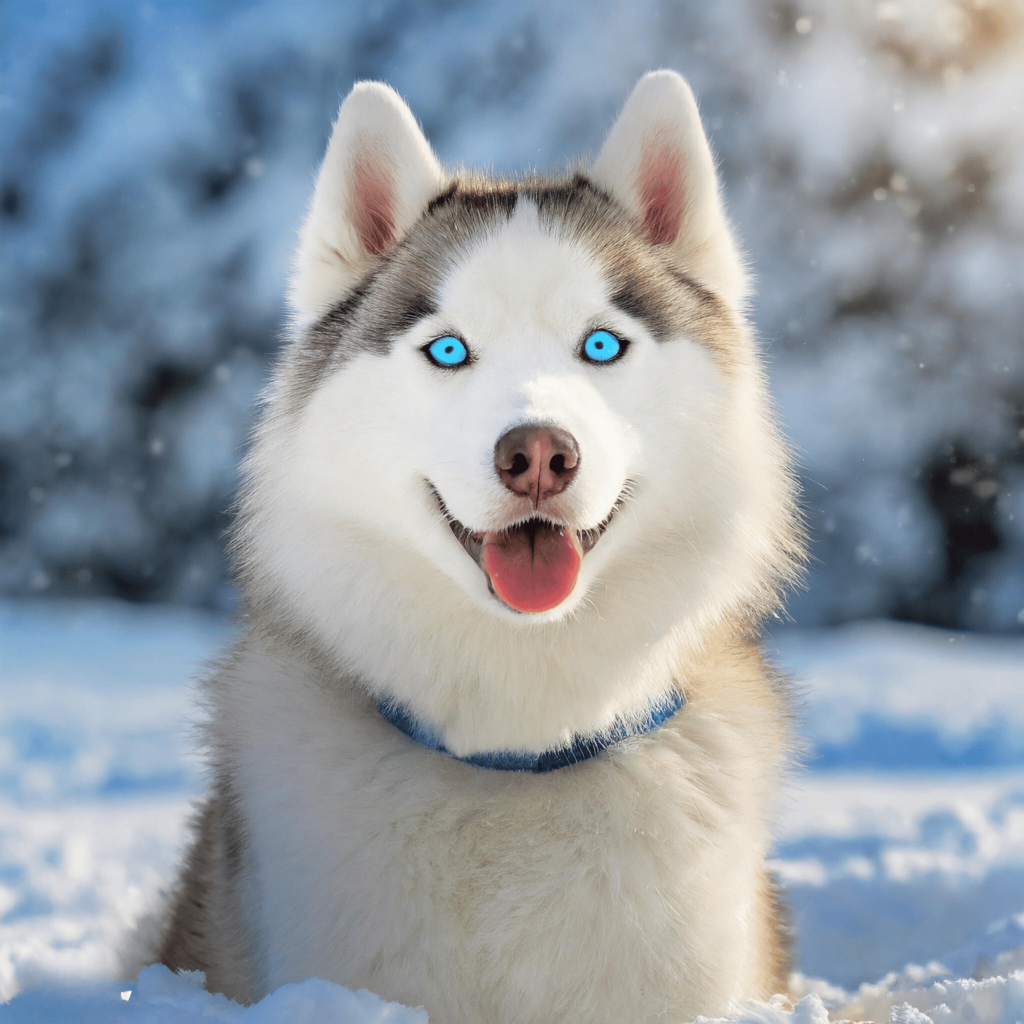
538	392
529	420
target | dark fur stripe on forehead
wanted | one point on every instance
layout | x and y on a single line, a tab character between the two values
359	323
554	199
484	196
642	296
702	293
646	283
401	289
416	308
636	298
671	304
315	349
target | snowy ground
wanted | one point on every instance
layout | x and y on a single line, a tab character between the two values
902	841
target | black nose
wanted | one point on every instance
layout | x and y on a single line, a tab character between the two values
537	460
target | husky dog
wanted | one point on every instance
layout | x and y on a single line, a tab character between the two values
498	740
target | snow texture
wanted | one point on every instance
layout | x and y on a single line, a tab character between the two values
160	997
885	860
156	162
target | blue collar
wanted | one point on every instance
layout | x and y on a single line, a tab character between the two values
582	748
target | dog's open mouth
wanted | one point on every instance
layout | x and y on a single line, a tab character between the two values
531	566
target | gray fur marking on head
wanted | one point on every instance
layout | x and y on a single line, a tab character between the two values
402	287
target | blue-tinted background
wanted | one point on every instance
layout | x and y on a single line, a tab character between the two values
155	159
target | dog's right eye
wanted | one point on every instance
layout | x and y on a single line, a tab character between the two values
603	347
447	351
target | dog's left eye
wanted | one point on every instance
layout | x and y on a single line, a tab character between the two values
602	347
447	351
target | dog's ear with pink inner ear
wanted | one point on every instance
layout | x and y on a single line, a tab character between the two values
656	162
376	180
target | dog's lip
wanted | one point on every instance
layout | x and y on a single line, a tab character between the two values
473	541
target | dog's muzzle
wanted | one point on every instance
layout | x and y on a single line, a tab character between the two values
532	565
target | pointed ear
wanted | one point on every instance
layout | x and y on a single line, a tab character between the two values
376	180
657	163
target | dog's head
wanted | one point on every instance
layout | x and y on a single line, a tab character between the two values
527	402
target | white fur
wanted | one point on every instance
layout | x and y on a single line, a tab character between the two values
619	890
629	888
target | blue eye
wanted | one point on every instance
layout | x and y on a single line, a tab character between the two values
602	347
447	351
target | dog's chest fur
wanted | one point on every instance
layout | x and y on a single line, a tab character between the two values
631	887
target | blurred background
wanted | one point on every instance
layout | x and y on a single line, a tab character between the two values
155	163
155	159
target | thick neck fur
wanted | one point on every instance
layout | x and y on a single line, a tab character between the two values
486	683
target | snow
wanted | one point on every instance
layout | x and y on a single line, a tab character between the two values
868	684
160	997
156	162
882	871
900	842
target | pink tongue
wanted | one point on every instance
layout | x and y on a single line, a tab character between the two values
534	567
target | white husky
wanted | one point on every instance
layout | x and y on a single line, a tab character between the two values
498	740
